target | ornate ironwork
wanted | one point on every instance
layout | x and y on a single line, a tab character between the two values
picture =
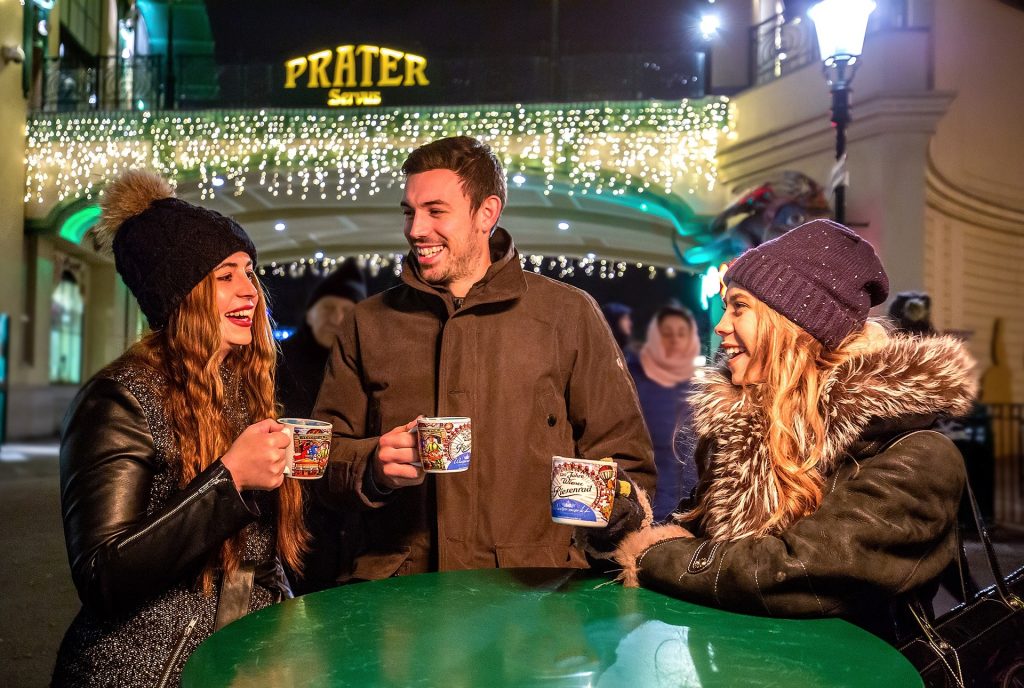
780	46
103	83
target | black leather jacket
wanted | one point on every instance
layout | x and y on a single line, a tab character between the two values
137	542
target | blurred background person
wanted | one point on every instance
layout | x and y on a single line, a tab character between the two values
300	366
662	374
620	319
300	371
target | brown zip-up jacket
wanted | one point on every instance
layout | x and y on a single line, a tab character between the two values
531	361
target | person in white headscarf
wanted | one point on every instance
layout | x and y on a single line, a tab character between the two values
662	375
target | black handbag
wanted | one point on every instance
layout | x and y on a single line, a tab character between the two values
979	642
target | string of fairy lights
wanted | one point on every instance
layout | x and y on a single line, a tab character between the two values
611	148
556	266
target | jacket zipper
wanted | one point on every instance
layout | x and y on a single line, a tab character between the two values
169	667
188	500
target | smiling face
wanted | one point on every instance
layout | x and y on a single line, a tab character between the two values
738	330
237	298
448	237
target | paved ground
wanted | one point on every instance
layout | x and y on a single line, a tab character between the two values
38	600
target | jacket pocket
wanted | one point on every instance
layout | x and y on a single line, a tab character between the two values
541	556
379	565
551	409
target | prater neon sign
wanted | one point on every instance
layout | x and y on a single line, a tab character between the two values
363	67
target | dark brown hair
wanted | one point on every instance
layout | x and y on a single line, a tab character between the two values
476	164
185	352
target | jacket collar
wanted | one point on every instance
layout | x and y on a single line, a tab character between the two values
503	281
864	402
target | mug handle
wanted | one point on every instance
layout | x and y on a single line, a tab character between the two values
415	430
290	431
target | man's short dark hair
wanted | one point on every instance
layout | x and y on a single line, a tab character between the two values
478	167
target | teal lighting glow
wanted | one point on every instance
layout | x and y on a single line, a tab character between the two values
80	222
710	286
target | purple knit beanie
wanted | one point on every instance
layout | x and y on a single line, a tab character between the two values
820	275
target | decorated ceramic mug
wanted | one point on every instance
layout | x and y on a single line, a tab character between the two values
444	443
582	491
311	447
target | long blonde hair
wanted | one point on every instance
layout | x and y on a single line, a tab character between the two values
185	352
794	367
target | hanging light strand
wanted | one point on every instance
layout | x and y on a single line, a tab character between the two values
603	148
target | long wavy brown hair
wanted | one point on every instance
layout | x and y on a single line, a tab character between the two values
185	352
794	367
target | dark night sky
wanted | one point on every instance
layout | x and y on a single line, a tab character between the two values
269	30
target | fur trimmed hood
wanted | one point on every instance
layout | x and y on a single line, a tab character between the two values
904	377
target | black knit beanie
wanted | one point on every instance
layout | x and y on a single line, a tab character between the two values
346	281
820	275
163	247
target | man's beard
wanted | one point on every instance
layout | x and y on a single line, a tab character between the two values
458	267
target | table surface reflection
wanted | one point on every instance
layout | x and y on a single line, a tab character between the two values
531	627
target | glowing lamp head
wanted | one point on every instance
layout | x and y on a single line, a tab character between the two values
841	25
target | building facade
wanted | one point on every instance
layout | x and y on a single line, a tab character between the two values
933	152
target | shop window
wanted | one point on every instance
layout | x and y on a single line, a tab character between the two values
66	331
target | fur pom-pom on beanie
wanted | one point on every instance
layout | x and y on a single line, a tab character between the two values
163	246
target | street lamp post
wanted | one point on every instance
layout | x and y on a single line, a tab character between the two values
840	25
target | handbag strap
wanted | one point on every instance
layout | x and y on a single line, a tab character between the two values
1007	597
990	554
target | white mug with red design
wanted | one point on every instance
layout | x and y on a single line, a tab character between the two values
444	443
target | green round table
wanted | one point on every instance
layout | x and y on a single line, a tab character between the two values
531	627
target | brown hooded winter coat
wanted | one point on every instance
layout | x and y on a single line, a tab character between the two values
531	361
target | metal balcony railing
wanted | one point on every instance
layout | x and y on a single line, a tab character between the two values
991	440
199	82
104	83
1008	451
786	42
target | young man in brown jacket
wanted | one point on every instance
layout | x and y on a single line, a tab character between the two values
530	360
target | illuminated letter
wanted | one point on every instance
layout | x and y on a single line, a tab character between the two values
414	66
389	67
318	71
293	70
345	68
368	52
334	97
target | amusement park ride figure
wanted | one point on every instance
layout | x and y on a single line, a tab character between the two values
768	211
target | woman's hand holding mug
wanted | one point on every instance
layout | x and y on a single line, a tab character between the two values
257	459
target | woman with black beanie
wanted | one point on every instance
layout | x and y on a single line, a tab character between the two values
176	514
